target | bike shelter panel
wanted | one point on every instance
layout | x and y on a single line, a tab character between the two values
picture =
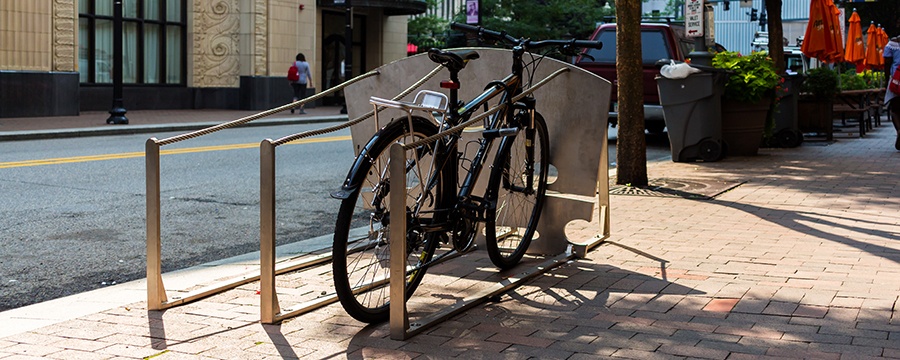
574	104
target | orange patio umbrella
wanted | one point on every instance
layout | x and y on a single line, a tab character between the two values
873	51
855	51
838	52
818	40
883	39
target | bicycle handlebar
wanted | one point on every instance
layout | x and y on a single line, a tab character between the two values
528	44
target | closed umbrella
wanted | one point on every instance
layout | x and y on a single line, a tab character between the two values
882	38
873	51
838	53
818	40
855	51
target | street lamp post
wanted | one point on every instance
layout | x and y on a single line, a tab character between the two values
117	112
348	50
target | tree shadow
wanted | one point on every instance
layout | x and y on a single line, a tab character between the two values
800	221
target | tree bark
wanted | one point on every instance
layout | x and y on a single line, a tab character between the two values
776	34
631	146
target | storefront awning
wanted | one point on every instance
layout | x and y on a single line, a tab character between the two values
391	7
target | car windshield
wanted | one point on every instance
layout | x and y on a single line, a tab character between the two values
653	47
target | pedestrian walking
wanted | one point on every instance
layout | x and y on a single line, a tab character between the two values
891	63
299	76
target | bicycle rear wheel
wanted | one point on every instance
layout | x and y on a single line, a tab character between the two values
516	189
361	263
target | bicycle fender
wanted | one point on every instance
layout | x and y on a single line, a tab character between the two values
354	177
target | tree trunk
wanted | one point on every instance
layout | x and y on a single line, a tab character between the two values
776	34
631	146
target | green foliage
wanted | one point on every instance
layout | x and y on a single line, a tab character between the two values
874	79
542	19
865	80
753	77
850	81
428	31
821	82
674	8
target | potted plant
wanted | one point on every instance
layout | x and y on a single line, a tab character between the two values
783	130
814	106
749	96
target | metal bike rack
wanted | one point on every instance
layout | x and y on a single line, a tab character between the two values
270	309
157	298
400	327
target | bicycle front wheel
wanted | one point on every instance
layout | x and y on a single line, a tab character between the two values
516	191
361	262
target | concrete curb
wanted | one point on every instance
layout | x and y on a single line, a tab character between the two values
143	129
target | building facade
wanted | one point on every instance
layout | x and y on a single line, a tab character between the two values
56	56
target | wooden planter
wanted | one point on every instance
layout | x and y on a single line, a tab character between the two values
815	116
743	125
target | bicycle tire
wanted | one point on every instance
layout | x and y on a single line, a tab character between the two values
359	263
512	218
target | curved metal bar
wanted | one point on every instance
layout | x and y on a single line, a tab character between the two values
263	114
358	120
460	127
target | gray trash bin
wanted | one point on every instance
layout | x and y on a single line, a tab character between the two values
693	110
787	130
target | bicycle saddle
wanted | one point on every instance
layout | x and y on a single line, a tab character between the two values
453	60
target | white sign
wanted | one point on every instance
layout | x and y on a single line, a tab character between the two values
693	18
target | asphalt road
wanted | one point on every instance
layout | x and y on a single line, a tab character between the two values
76	222
72	211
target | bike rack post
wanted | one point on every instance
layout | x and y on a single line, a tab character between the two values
156	292
399	318
269	300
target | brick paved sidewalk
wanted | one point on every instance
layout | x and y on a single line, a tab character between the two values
800	261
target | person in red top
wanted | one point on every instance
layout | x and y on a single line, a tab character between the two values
300	85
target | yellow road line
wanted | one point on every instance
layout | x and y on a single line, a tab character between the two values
88	158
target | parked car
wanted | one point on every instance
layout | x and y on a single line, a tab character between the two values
795	61
659	41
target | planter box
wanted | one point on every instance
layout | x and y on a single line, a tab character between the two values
743	125
815	116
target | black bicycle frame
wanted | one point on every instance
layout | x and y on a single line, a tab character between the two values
509	87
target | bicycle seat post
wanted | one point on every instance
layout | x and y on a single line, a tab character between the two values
453	85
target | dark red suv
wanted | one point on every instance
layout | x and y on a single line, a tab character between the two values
658	41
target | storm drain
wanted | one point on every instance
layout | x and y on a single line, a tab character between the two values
688	189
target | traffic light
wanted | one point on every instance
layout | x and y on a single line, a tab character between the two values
753	16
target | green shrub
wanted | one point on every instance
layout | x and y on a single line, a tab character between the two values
821	82
753	76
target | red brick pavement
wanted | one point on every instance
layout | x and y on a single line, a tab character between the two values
800	261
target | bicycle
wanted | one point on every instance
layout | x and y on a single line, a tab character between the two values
438	211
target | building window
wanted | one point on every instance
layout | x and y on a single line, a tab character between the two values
153	41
